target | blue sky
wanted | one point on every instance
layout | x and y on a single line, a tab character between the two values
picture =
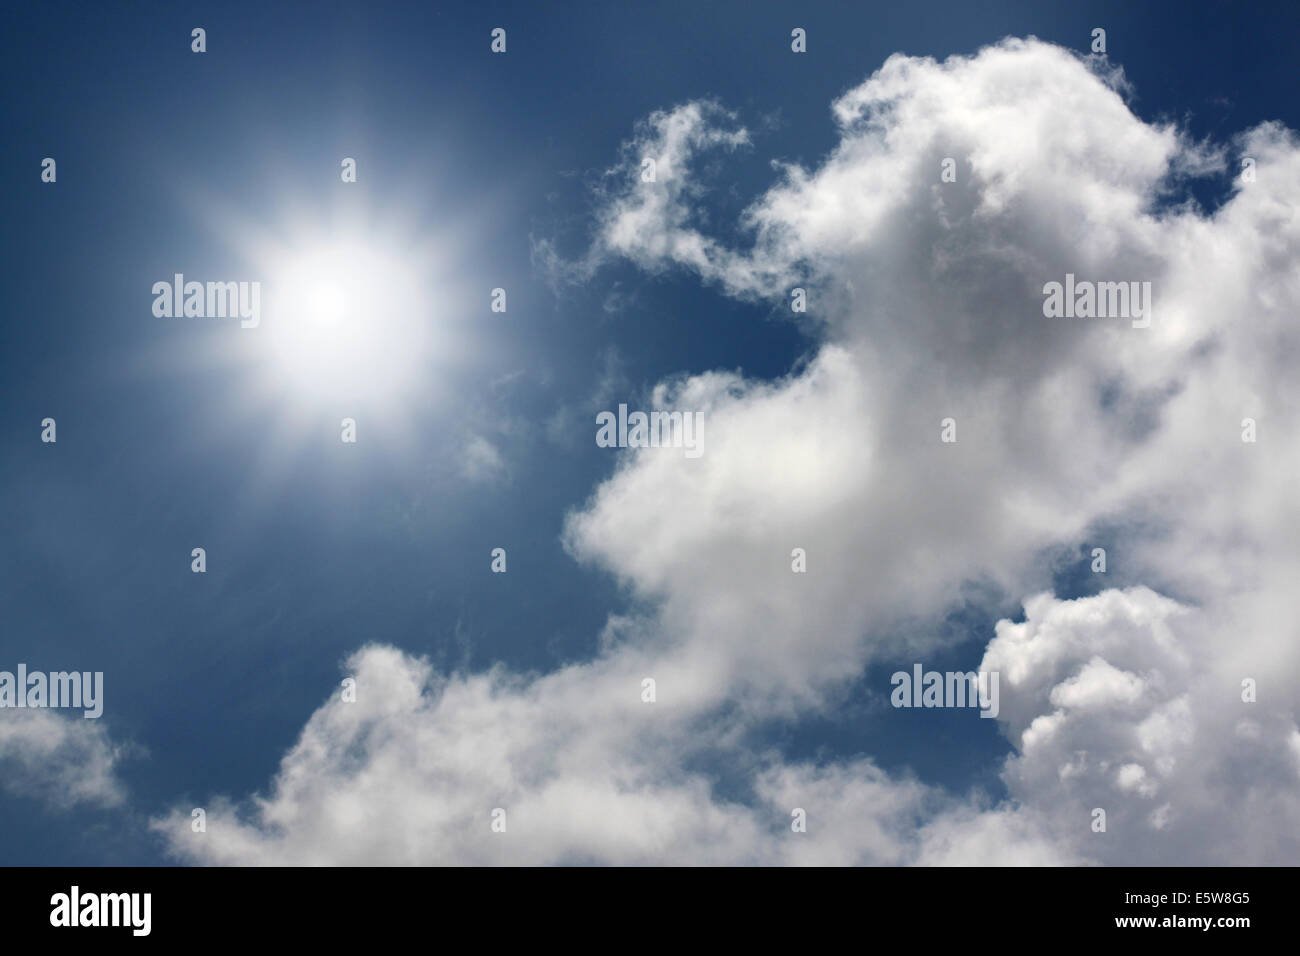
175	434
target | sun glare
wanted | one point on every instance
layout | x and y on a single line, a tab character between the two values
345	317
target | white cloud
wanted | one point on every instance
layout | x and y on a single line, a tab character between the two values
481	460
928	298
63	761
1162	754
409	774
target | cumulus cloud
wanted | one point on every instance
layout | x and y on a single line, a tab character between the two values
1120	702
411	771
926	297
63	761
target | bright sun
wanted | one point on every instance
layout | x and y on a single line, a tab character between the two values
345	318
